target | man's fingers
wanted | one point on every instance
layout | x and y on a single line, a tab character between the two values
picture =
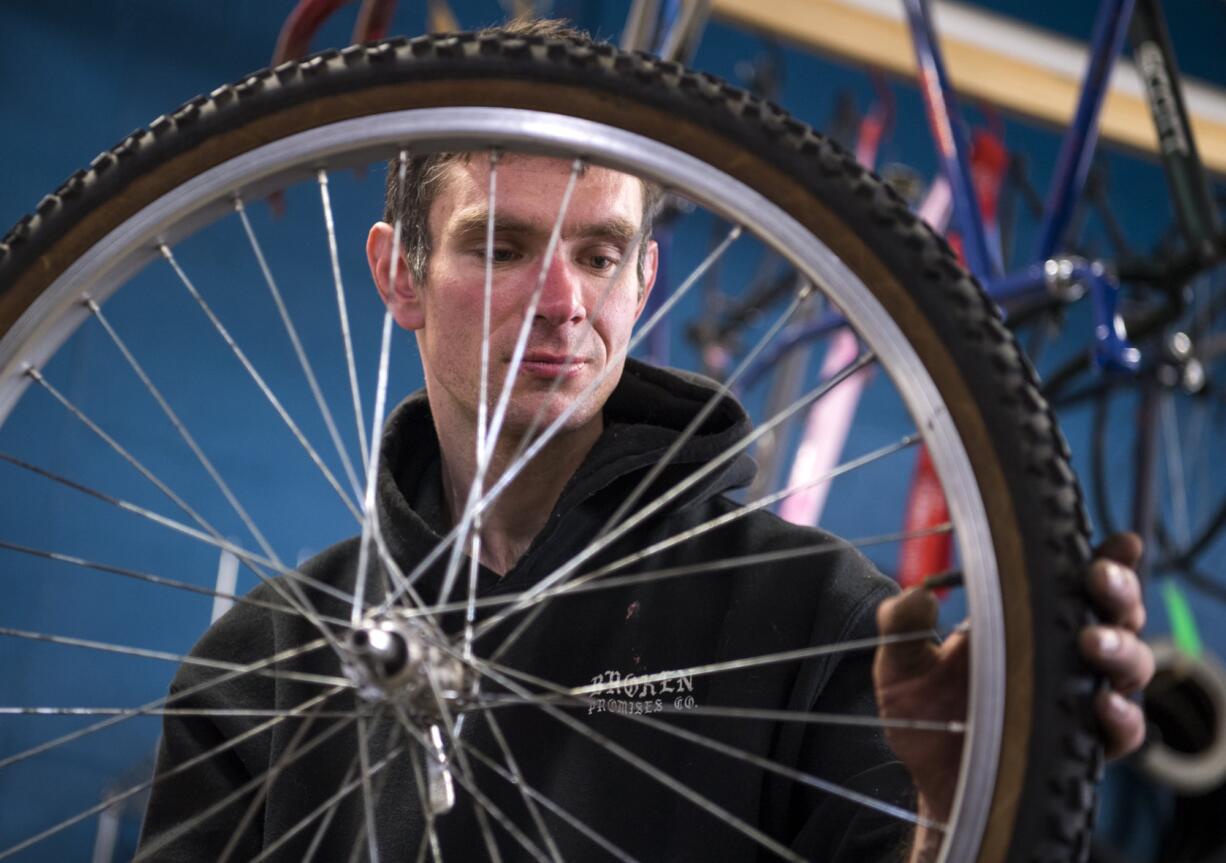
1122	723
914	610
1125	659
1117	594
910	611
1114	649
1125	548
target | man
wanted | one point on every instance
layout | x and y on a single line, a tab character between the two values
592	288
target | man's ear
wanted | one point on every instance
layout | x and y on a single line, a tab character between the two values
651	264
403	298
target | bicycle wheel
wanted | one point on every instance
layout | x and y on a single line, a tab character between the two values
1028	760
1183	409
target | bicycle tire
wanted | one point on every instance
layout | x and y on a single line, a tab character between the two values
1043	798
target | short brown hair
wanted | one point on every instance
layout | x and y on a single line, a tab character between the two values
424	174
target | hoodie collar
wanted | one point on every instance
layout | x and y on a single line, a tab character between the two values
644	416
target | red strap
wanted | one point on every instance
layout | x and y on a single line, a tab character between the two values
301	26
876	124
922	556
989	162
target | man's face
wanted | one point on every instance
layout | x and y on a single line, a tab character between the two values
598	233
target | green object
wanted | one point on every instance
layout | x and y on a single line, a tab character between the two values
1183	623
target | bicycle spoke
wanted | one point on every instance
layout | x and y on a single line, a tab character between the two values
952	726
161	581
723	391
372	845
531	793
328	814
150	707
257	801
524	456
522	459
417	606
470	603
260	382
487	292
530	446
145	653
1174	473
464	771
696	476
483	803
237	794
820	784
562	699
423	846
123	453
342	309
299	600
521	341
113	799
731	751
490	442
173	711
370	515
305	363
631	254
253	808
649	769
187	437
513	775
378	786
594	581
761	503
1199	470
532	597
178	527
327	809
811	652
285	587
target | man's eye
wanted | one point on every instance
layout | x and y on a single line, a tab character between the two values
602	262
502	256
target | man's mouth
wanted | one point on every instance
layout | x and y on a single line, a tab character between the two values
550	364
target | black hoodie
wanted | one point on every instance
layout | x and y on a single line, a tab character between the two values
712	616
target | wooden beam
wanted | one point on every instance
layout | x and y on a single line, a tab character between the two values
1018	68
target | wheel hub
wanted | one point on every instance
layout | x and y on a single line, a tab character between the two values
398	659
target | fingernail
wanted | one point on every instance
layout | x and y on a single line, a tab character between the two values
1118	704
1117	582
1108	641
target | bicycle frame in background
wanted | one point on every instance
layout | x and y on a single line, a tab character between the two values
1046	273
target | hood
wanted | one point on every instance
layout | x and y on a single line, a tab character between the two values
645	415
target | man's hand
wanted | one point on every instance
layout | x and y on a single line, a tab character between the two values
1113	646
922	680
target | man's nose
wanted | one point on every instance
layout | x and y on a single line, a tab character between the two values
562	299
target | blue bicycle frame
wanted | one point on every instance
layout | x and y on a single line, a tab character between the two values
1112	350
